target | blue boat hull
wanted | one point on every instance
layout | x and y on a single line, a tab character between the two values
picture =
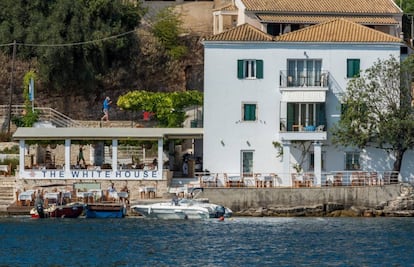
104	211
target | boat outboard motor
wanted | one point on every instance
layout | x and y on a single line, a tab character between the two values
40	210
219	211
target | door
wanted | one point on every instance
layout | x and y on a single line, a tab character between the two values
247	163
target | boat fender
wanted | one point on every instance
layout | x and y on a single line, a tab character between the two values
149	210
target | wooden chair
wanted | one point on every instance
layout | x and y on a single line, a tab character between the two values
309	179
295	181
338	179
208	181
259	180
373	178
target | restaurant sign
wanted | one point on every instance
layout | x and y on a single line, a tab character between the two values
92	174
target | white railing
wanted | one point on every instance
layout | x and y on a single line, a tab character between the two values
53	116
306	179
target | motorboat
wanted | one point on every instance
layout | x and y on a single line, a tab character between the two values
70	210
182	209
171	210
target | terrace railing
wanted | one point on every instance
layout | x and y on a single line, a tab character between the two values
46	114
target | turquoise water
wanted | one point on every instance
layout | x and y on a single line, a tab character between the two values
233	242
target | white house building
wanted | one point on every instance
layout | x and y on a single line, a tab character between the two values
269	102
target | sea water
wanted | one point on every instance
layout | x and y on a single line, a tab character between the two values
235	241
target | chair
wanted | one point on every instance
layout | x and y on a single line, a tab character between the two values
373	178
295	181
259	180
208	181
308	179
337	179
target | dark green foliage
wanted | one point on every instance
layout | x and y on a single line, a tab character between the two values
167	28
72	21
378	110
11	150
168	108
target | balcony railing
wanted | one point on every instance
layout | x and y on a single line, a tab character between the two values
292	126
318	79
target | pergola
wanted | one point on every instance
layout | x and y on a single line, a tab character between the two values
23	135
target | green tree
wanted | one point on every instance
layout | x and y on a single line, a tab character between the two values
30	116
168	108
377	110
167	28
36	24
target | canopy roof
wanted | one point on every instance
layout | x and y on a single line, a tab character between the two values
26	133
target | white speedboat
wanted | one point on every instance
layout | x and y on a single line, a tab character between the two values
182	209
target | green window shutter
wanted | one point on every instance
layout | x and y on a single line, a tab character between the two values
320	114
259	71
249	112
240	64
353	68
356	67
290	115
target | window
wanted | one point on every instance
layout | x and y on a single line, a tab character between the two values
312	161
305	114
304	72
249	112
352	161
249	69
352	68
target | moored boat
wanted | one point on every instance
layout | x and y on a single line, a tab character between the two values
70	210
105	210
182	209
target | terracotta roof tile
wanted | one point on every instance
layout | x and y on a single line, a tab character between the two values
316	19
229	7
324	6
339	30
244	32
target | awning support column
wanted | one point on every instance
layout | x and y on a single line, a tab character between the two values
286	162
114	155
317	151
22	151
160	154
67	155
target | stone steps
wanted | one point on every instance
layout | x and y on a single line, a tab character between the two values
6	192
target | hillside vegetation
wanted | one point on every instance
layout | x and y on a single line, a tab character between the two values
110	53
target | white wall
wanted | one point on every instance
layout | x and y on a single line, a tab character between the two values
224	94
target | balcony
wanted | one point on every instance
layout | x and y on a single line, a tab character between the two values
291	132
304	81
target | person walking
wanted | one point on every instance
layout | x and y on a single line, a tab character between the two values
80	155
106	104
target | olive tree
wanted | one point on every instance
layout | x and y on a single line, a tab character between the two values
377	110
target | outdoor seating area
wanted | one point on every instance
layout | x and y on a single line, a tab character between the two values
148	192
303	180
360	178
298	180
257	180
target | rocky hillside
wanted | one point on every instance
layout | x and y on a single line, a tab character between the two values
155	73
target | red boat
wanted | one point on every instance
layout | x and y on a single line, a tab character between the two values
71	210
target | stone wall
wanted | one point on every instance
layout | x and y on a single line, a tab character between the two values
243	198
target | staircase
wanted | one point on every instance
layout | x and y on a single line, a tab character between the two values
46	116
6	192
